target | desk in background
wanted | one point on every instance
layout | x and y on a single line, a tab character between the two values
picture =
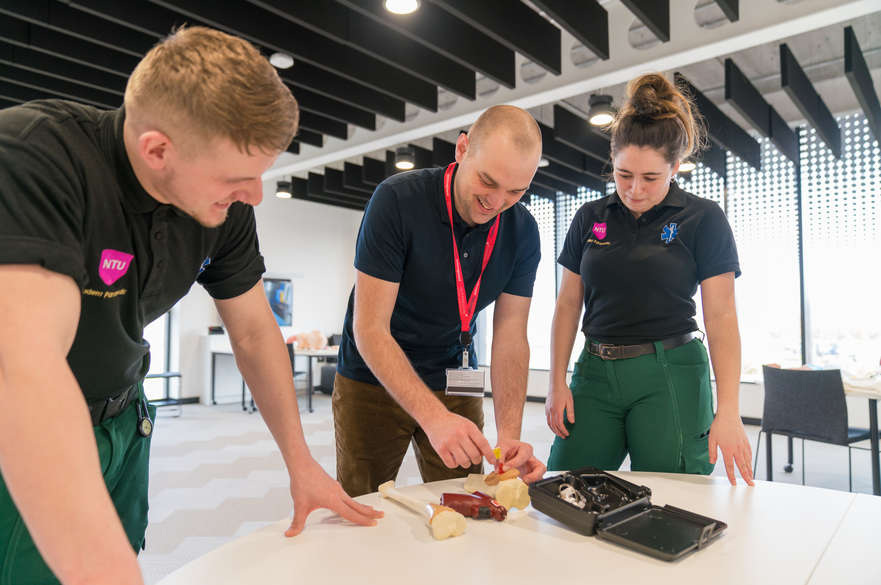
777	533
311	354
870	389
220	345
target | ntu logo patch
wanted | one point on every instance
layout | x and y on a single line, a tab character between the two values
113	266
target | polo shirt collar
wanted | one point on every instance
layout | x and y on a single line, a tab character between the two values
675	198
134	196
457	219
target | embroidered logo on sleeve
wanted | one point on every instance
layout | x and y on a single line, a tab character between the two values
113	266
669	233
599	230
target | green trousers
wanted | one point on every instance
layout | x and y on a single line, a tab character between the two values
656	407
124	458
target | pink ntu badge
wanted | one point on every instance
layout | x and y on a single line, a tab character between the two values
599	230
114	264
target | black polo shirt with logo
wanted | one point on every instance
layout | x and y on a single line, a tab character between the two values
640	275
70	201
405	238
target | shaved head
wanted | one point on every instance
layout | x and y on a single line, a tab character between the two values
516	124
497	161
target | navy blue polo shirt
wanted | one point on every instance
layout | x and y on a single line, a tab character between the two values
405	238
640	275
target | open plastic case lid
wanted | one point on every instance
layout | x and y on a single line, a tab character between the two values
666	533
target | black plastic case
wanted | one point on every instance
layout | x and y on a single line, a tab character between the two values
622	512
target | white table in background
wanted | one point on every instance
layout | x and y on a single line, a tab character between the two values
314	353
777	533
870	389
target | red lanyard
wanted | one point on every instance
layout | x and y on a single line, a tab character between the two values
466	308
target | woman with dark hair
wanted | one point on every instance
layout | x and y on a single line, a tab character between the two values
634	259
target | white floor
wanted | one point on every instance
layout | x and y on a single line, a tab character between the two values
216	474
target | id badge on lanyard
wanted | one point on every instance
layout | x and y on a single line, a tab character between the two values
466	381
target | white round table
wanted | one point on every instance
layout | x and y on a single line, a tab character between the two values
777	533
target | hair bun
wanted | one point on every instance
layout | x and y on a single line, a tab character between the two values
656	113
652	96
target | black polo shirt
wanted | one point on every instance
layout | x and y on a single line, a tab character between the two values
70	201
405	238
640	275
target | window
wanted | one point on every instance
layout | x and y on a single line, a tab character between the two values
842	202
541	309
841	209
159	335
567	207
703	182
763	212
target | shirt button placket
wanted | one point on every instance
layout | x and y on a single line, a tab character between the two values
159	247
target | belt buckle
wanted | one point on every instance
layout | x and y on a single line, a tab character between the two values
608	351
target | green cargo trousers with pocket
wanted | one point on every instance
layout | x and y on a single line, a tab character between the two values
124	456
657	408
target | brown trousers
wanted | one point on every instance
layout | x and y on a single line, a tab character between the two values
373	433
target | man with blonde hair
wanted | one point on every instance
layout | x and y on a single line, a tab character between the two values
106	220
436	246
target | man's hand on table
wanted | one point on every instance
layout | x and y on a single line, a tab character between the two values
519	454
312	488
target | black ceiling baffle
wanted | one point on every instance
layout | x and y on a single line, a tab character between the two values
655	14
442	32
860	79
373	171
353	178
443	152
514	25
576	132
803	94
747	100
245	19
586	20
722	129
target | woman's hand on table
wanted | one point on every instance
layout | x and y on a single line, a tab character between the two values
312	488
727	433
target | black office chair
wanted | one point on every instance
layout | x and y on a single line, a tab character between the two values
808	405
328	370
328	373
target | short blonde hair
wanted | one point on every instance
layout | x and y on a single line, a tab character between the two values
200	81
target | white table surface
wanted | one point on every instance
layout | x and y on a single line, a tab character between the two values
852	556
777	533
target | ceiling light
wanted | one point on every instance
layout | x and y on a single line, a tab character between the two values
405	158
402	6
687	166
543	162
283	189
601	112
281	60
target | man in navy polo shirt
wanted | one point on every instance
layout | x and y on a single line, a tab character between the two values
435	247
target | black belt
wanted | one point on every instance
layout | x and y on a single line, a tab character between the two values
101	410
610	351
